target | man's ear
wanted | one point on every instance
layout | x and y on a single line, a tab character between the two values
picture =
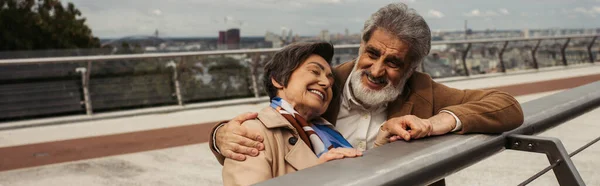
276	84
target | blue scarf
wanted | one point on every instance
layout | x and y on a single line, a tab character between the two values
318	134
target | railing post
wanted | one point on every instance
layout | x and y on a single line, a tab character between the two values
565	170
253	74
562	52
175	80
533	53
589	49
464	59
501	56
85	78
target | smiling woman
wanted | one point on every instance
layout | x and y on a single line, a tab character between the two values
300	83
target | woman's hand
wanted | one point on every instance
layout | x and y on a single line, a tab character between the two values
339	153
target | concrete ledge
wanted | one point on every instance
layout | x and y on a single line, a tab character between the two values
128	113
518	72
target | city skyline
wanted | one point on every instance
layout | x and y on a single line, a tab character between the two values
188	18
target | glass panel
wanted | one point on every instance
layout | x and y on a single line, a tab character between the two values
123	84
517	55
548	53
344	55
576	51
444	61
215	77
32	90
483	58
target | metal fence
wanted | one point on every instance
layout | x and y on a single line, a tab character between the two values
428	160
37	87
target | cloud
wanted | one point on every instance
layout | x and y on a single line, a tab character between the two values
408	1
157	12
504	11
315	23
478	13
435	14
330	1
473	13
591	12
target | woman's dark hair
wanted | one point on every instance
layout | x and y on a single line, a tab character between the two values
285	61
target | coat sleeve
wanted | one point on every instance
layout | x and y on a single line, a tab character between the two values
480	111
211	143
253	169
382	138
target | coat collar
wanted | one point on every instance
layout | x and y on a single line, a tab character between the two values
273	119
300	155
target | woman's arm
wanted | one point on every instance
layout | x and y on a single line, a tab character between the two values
253	169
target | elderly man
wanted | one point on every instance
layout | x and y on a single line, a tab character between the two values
382	91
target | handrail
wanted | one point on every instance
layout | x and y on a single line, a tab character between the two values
427	160
241	51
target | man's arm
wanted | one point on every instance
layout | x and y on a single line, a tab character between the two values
480	111
461	111
234	141
254	169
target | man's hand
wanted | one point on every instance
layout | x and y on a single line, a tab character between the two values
339	153
235	141
412	127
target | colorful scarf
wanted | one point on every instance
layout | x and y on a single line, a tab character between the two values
317	134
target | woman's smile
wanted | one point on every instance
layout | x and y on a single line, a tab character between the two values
318	93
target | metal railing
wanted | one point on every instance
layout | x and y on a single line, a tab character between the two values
428	160
86	84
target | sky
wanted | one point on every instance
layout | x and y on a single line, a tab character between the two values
204	18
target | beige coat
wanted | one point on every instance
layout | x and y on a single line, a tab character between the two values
279	157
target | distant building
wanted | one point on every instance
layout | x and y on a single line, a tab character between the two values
324	36
526	33
229	39
233	38
222	36
274	39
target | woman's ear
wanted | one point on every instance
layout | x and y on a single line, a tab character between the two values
276	84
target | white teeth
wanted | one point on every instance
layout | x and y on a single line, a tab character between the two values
318	93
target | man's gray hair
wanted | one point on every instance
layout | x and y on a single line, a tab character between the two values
407	25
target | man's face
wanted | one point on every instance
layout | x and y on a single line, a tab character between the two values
379	74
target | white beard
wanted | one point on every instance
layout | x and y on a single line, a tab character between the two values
374	98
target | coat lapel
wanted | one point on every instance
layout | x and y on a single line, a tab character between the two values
418	91
421	88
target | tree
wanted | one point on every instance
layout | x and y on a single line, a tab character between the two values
43	24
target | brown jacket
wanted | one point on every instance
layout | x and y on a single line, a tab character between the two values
480	111
284	152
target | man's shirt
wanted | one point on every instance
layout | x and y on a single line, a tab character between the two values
356	123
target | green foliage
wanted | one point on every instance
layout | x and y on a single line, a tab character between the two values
43	24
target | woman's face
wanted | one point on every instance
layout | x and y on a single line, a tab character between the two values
309	89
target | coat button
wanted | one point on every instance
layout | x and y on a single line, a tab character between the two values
293	140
